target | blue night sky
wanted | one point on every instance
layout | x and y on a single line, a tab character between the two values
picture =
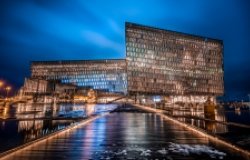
93	29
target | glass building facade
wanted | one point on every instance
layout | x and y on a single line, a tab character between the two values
172	63
158	62
107	75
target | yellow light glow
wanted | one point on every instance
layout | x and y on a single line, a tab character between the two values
8	88
1	83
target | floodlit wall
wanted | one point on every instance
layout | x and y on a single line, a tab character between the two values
172	63
34	86
107	75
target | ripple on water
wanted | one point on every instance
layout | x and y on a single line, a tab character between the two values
172	151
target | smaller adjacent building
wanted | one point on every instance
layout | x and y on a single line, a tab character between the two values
105	75
64	91
32	86
42	89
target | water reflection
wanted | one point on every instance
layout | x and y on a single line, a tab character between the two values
195	114
31	110
24	122
216	121
127	136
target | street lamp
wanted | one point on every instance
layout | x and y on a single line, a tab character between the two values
1	84
8	88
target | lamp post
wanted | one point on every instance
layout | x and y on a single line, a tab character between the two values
1	85
8	88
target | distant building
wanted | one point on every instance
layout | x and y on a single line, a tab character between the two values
32	86
105	75
64	90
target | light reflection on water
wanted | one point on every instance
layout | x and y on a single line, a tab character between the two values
233	133
15	131
119	135
128	136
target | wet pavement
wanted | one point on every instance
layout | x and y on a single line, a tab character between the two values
126	134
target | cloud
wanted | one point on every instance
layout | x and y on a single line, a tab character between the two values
116	28
101	41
